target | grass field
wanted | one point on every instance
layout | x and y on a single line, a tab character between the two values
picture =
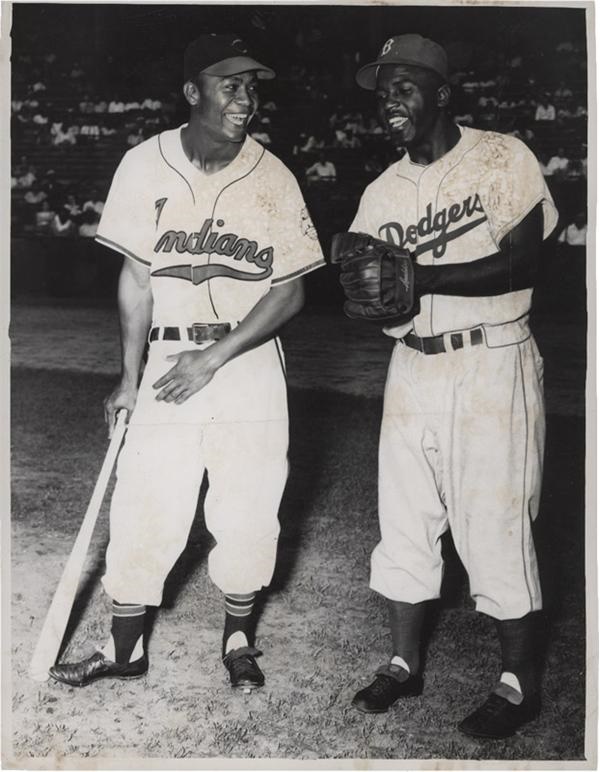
322	631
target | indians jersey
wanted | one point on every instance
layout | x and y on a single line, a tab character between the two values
214	243
456	210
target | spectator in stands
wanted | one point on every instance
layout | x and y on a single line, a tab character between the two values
116	106
35	196
152	105
557	165
39	118
261	134
77	72
48	183
94	203
72	206
38	86
107	131
135	136
60	136
63	225
132	106
373	166
465	119
86	106
562	94
545	110
101	107
374	127
353	141
88	224
575	234
44	217
90	131
574	171
27	179
321	172
311	143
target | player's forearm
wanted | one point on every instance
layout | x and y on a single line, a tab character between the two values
135	314
493	275
513	268
277	307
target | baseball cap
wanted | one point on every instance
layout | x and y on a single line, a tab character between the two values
223	55
405	49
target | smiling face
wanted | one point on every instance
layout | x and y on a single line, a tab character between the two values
223	106
409	101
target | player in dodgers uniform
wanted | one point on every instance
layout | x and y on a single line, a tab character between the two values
462	434
216	238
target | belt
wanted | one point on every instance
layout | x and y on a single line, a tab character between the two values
198	332
439	344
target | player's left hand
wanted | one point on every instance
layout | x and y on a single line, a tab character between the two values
192	371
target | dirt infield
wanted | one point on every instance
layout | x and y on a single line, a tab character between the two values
322	631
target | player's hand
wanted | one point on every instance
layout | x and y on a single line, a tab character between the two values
123	397
192	371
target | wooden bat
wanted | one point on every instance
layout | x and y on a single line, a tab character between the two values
57	618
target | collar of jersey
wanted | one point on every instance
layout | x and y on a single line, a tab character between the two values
175	156
468	138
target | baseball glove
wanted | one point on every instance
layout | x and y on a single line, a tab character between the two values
377	277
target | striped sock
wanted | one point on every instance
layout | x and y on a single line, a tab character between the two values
127	632
238	617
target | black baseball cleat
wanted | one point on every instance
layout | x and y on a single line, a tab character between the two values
498	718
244	673
95	667
391	683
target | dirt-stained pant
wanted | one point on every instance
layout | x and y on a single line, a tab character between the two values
461	447
160	470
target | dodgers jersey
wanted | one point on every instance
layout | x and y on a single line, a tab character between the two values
456	210
214	243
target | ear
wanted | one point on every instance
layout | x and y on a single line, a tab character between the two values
191	93
443	95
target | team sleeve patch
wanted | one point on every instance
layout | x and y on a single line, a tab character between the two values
118	248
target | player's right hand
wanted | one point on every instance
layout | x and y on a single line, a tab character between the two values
123	397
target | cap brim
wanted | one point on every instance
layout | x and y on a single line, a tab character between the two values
237	64
366	77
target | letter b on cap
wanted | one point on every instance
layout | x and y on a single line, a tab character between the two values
387	47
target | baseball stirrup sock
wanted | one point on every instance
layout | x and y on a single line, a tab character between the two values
238	619
517	644
127	632
406	622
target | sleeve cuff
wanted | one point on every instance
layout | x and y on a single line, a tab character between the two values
295	274
118	248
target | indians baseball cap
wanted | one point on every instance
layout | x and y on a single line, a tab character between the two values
405	49
221	55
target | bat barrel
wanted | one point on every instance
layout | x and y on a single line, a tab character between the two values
57	618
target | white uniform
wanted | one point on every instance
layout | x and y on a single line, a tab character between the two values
215	244
462	434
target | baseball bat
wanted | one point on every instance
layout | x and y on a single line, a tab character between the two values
57	618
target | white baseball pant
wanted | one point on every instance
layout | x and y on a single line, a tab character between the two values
461	447
160	470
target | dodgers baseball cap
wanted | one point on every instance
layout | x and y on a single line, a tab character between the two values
223	55
405	49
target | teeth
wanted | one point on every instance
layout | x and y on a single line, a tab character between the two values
397	121
238	119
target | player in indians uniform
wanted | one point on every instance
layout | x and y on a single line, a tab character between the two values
462	434
216	238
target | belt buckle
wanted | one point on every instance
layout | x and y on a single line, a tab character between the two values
201	332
